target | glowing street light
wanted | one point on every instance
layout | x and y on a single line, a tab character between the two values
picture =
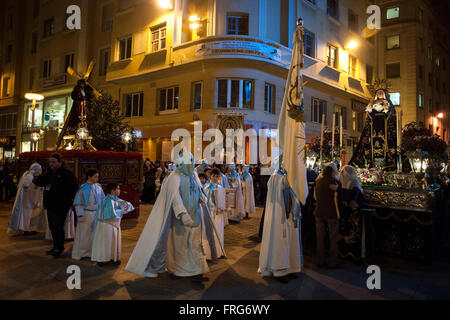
126	138
165	4
440	115
194	22
352	45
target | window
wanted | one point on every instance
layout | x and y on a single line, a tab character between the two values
33	42
9	22
420	100
54	112
28	115
158	40
318	108
420	41
420	72
68	61
352	21
392	13
420	15
430	79
9	50
309	44
333	9
134	104
168	99
430	53
339	110
352	66
105	55
269	98
125	48
32	75
237	24
197	93
437	62
48	28
6	92
395	98
358	121
332	56
235	93
393	70
36	5
393	42
46	68
369	73
107	17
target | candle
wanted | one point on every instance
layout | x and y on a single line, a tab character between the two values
322	128
340	132
332	135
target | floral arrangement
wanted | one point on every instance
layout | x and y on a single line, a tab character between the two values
327	141
371	176
416	137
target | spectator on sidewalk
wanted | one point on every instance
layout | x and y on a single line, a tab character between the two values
326	215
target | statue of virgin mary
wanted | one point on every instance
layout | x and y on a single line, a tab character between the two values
377	147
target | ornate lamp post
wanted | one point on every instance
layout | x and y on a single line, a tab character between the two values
126	139
419	164
34	97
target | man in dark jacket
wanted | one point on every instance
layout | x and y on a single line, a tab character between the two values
60	188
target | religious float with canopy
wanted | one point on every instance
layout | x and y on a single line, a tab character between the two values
76	146
401	171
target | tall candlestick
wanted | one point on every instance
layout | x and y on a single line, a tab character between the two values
322	128
340	131
333	125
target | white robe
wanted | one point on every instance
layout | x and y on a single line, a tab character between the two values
216	202
165	242
28	207
237	213
86	217
280	252
107	240
69	226
249	194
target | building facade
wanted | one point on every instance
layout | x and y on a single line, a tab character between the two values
413	54
171	63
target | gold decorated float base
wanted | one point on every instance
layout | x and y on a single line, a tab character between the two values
71	142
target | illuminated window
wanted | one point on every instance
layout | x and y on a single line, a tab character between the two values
420	100
352	66
395	98
235	93
392	13
332	56
393	42
158	39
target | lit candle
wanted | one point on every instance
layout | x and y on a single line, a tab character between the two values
340	131
321	137
333	125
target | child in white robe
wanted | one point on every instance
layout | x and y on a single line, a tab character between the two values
247	190
107	243
216	200
86	202
236	213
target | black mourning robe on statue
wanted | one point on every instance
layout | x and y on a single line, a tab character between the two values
378	144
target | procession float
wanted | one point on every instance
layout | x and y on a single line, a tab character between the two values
401	169
78	147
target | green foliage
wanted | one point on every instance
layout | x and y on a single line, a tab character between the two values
106	124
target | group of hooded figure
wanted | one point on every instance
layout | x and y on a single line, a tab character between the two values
185	228
97	234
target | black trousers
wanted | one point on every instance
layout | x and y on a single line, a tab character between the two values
56	220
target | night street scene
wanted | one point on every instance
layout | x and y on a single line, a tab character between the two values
224	152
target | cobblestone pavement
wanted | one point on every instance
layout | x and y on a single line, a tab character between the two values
27	273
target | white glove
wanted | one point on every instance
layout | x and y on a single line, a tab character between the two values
187	220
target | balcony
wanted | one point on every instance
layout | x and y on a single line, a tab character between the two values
56	80
232	47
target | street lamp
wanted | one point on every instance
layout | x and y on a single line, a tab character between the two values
419	164
165	4
440	115
352	45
